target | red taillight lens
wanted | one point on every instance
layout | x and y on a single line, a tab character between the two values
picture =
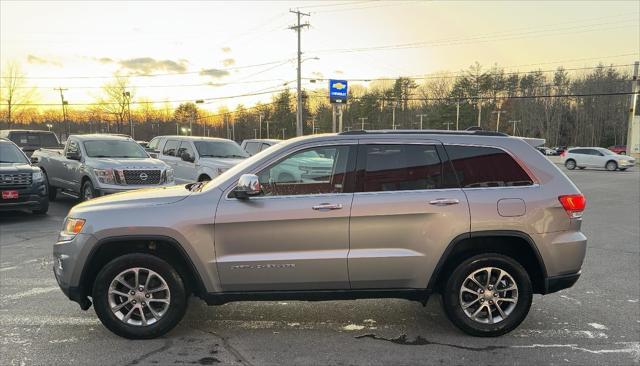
574	204
563	154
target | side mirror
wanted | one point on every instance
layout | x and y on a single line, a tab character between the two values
248	185
34	160
73	156
187	157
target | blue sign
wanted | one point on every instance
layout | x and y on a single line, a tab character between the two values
338	91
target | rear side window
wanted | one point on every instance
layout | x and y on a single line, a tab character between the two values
49	140
252	147
578	151
264	146
478	166
399	168
170	148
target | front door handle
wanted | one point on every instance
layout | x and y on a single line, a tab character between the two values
444	201
327	206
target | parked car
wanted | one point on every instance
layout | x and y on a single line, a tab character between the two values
196	159
546	151
95	165
142	143
596	157
31	140
479	217
619	149
254	146
22	185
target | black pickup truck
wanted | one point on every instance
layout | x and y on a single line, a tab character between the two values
31	140
22	185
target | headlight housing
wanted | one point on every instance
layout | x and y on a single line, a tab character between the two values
169	176
105	176
37	176
72	227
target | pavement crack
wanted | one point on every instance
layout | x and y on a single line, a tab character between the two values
163	348
420	341
228	347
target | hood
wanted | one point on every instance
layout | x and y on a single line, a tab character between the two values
17	168
220	162
119	163
137	198
624	157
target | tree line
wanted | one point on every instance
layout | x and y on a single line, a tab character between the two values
562	106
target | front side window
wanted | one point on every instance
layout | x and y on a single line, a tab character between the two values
479	166
170	148
114	149
400	168
72	147
314	171
154	143
252	147
9	153
185	147
219	149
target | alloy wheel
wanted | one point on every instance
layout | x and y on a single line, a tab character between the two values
488	295
139	296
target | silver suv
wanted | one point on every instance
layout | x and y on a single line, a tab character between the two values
481	218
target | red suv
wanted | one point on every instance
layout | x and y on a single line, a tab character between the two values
619	149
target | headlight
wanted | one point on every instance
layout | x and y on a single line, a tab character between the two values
37	176
71	228
624	161
169	176
105	176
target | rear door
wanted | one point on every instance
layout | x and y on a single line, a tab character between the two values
406	209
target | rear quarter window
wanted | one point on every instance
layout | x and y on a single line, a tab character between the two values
479	166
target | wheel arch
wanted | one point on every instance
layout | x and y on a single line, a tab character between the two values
611	161
515	244
163	247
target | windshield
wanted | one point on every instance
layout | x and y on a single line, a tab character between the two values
114	149
219	149
45	139
9	153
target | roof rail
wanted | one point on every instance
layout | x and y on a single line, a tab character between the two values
424	132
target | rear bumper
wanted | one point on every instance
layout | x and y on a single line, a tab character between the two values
557	283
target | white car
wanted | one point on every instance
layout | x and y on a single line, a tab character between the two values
196	159
596	157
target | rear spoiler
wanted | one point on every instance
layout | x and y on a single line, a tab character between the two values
533	141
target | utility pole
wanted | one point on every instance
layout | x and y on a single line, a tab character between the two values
362	119
458	115
340	118
313	125
421	115
393	118
499	111
267	128
514	126
448	124
283	130
64	111
633	131
298	29
479	111
334	114
260	124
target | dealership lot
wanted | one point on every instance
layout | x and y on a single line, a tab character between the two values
595	322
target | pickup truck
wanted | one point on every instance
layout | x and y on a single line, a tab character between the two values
93	165
31	140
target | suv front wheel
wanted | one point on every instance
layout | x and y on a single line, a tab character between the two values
139	296
488	295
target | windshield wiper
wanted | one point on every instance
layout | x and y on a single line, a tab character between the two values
234	156
211	156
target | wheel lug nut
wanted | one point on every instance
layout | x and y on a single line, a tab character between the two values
481	300
147	296
490	287
482	291
133	302
140	288
491	302
132	293
495	295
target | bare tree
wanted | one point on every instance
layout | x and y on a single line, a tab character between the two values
13	91
116	98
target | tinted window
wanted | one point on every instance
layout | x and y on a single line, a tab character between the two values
9	153
114	149
72	147
400	168
252	147
185	147
49	140
219	149
595	152
34	139
170	147
314	171
486	167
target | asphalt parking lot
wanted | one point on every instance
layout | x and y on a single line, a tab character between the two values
597	322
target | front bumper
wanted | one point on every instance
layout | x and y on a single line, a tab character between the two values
112	188
68	264
33	197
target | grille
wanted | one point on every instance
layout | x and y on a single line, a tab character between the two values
15	180
136	176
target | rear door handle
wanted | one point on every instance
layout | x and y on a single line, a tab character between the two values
327	206
444	201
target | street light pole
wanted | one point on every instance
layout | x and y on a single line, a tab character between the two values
260	124
362	119
421	115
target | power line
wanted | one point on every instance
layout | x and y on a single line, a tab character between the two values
474	98
212	84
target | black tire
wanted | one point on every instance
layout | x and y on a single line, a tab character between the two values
87	191
570	164
52	192
611	166
204	178
44	207
451	295
173	315
581	167
623	169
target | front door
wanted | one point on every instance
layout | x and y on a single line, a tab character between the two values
185	170
295	236
406	209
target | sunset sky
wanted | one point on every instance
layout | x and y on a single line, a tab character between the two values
221	49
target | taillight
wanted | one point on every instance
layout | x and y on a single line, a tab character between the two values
574	204
564	153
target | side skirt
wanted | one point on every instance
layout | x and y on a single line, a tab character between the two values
219	298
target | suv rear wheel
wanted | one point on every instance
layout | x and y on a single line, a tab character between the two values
488	295
139	296
570	164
